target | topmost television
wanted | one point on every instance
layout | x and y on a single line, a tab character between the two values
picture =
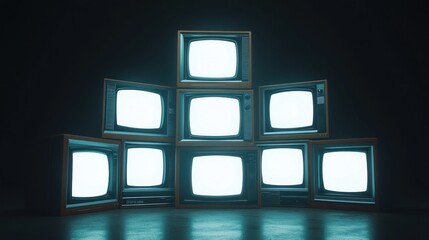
214	59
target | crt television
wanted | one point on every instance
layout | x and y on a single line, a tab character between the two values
345	173
138	111
83	175
294	111
147	174
218	59
217	177
214	117
284	173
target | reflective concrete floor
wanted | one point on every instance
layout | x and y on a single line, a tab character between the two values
264	223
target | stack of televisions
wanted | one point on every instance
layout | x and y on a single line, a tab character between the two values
194	146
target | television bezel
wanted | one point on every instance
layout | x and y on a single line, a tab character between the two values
368	200
246	134
298	195
183	81
161	195
165	134
312	132
216	202
63	148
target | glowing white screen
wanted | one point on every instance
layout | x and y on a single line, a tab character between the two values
90	174
138	109
214	116
291	109
282	166
217	175
344	171
212	59
145	167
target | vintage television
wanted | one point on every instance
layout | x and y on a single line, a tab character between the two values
214	117
82	175
284	173
294	111
138	111
218	59
345	173
148	170
217	177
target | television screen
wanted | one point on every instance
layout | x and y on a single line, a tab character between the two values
214	116
219	117
145	167
217	176
282	166
81	176
345	172
284	171
138	111
148	174
206	171
294	111
90	174
291	109
214	59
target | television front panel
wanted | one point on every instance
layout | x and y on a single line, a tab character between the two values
147	174
345	173
284	173
83	175
138	111
217	177
214	59
214	117
294	111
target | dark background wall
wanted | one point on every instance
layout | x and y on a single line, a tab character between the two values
56	55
